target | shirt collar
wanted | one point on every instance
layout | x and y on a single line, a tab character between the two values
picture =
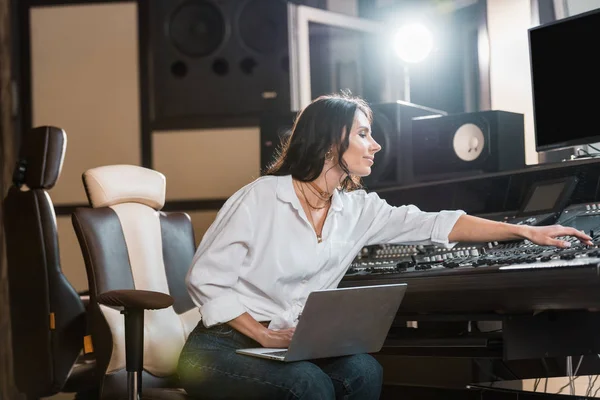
286	193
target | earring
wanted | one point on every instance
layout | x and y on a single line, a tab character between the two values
329	155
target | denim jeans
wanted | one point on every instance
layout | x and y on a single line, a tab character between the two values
210	368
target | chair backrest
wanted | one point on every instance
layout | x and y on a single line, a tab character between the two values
47	314
128	243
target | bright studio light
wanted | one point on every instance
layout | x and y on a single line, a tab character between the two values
413	43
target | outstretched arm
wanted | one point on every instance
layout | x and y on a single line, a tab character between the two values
473	229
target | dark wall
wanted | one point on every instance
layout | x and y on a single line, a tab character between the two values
7	158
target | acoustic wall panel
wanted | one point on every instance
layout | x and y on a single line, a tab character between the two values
206	164
84	70
201	221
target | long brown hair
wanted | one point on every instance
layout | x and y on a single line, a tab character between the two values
322	125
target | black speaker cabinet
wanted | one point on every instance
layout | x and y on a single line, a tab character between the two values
467	144
391	128
217	62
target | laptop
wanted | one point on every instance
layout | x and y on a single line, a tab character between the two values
340	322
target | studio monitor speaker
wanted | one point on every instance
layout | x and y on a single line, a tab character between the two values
216	62
392	129
466	144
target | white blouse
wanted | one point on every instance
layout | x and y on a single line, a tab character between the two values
261	253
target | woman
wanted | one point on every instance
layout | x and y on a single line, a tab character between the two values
296	230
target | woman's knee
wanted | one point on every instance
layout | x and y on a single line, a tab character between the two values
374	371
313	383
363	377
370	367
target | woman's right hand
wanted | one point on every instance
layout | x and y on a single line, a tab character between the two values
277	339
266	337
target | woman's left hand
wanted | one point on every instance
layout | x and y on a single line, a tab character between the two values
546	235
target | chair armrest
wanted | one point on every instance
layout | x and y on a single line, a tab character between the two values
136	299
134	303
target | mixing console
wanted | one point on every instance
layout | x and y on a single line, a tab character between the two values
382	259
531	288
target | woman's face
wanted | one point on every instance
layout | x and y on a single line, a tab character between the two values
360	155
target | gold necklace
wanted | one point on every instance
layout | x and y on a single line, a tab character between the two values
327	201
321	193
307	202
312	222
319	237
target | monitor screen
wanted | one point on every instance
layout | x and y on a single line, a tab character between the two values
544	197
566	81
548	196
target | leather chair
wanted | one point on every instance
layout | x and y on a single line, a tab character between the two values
48	317
136	258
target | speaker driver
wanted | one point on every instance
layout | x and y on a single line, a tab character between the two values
468	142
197	28
261	28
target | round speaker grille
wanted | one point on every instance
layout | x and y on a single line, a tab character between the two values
262	25
197	28
468	142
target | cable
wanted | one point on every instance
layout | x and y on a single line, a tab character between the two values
572	374
595	381
545	365
580	150
568	383
587	390
536	382
581	153
572	380
494	377
594	395
505	365
578	365
591	386
593	147
547	371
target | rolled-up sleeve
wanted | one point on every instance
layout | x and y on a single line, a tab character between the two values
217	263
407	224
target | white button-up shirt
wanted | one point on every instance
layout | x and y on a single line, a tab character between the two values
261	253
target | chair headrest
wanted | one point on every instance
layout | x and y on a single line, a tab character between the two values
41	157
115	184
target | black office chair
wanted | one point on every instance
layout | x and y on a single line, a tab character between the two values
137	258
48	316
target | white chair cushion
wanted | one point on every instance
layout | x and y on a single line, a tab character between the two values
115	184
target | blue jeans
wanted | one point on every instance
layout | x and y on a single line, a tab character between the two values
209	367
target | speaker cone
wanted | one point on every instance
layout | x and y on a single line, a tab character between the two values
261	27
468	142
197	28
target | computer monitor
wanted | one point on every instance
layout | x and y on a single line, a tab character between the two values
566	81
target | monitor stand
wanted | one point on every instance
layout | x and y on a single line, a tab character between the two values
556	156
